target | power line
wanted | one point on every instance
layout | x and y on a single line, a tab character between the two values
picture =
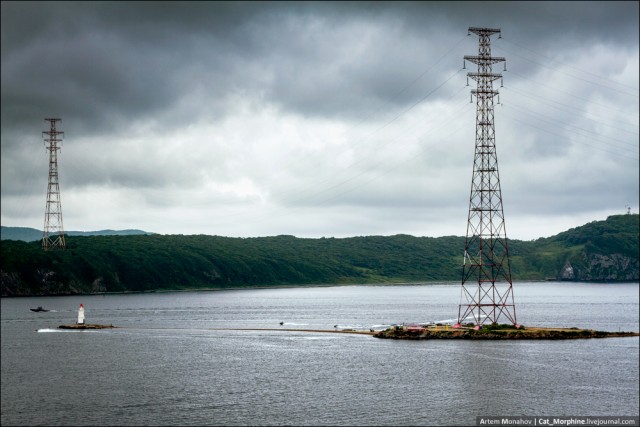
563	64
373	153
564	137
573	76
565	107
568	93
528	111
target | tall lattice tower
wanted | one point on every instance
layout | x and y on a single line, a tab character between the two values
53	235
487	292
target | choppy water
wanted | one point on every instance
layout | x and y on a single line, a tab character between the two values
166	367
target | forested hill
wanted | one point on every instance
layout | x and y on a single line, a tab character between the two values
601	251
31	234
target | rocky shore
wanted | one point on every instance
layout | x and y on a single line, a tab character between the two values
499	332
86	326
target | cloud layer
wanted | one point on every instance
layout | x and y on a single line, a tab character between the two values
315	118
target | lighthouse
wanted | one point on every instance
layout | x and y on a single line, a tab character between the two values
81	315
81	325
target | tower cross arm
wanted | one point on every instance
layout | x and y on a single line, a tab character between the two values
484	59
54	133
485	76
484	31
484	92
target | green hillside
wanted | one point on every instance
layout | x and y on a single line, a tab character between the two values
31	234
601	250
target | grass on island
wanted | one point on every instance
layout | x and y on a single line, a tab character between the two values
494	331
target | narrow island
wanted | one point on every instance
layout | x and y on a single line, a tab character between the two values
86	326
81	325
425	331
493	332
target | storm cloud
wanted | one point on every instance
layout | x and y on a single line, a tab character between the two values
315	118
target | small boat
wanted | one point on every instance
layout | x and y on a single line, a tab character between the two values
39	309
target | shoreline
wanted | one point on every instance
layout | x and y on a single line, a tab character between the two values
500	333
530	333
314	285
249	288
86	326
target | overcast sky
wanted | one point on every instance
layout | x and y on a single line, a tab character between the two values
315	118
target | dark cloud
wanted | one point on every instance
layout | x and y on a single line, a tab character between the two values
106	62
318	103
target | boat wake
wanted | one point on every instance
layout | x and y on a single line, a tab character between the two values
47	330
352	327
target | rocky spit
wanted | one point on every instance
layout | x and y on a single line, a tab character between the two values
497	333
500	332
86	326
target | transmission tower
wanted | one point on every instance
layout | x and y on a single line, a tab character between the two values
487	292
53	235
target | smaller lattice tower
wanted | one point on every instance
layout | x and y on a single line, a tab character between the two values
487	293
53	234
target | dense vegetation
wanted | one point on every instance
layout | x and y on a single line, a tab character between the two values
31	234
154	262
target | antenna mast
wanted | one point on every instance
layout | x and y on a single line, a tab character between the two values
486	254
53	234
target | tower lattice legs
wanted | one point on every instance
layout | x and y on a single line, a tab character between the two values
487	293
53	234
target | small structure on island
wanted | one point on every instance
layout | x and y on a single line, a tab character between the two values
81	315
81	325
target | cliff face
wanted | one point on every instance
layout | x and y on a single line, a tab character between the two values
614	267
45	282
602	250
601	268
567	272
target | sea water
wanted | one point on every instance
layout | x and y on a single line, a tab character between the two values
176	360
